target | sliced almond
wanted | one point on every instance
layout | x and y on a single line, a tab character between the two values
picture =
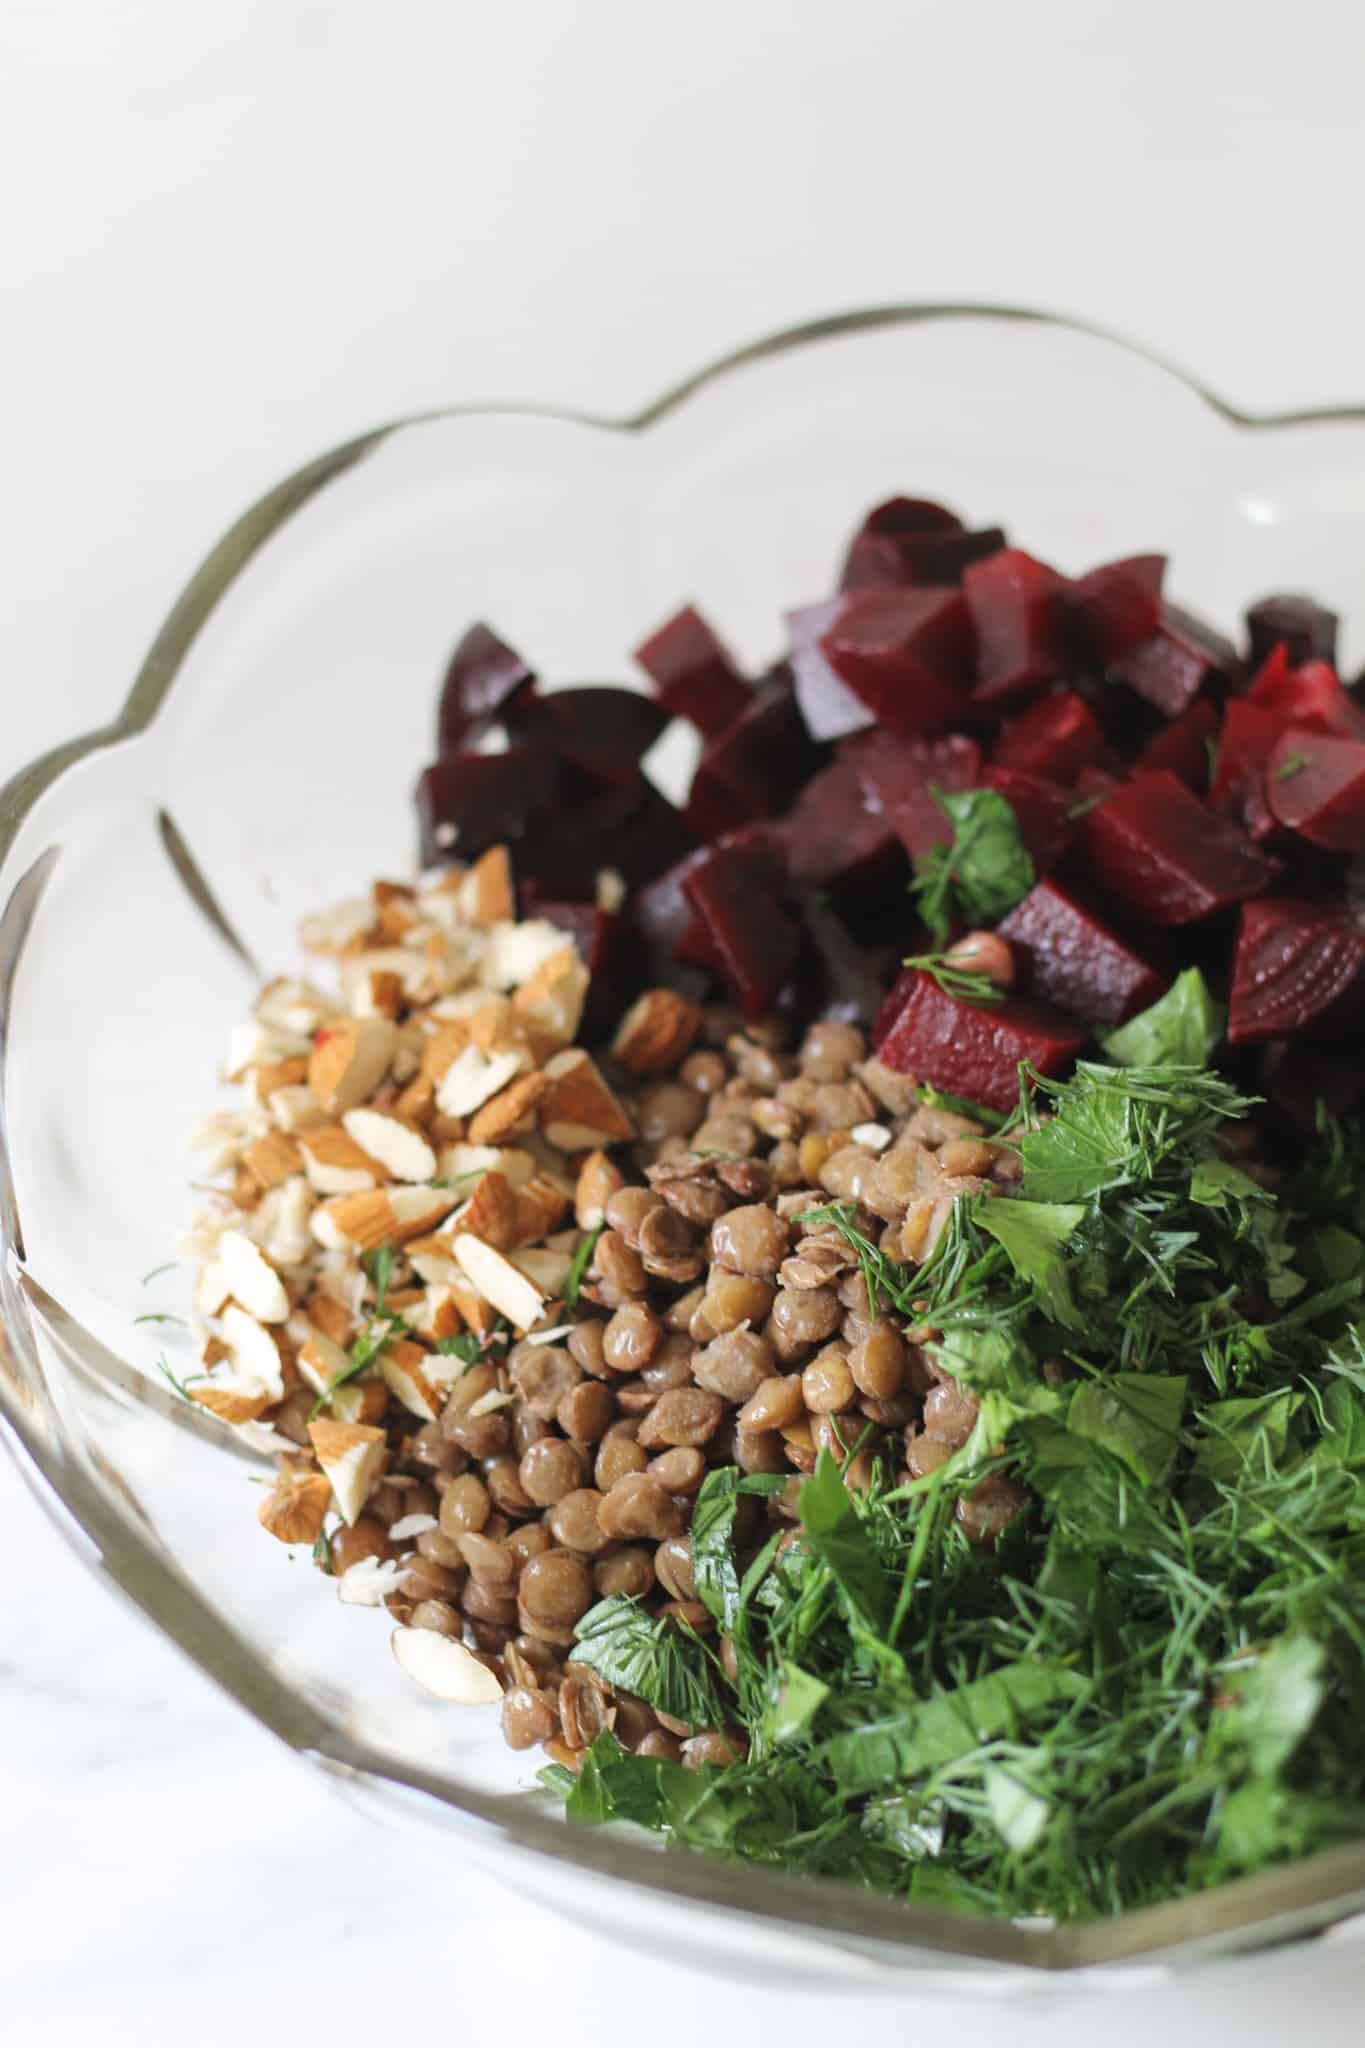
254	1350
251	1278
492	1212
445	1667
352	1457
485	896
230	1403
498	1281
656	1032
400	1149
295	1507
551	1000
402	1368
335	1164
349	1060
511	1113
272	1159
598	1181
489	1403
579	1111
473	1077
387	1215
369	1581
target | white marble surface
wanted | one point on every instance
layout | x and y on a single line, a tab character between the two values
233	236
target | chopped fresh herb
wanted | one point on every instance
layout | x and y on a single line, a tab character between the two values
180	1320
1083	805
1292	764
983	871
939	1098
1180	1029
157	1272
322	1554
181	1386
964	984
579	1264
464	1345
664	1664
383	1325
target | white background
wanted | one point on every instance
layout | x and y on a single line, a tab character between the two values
232	235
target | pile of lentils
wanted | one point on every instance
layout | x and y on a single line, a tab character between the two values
713	1329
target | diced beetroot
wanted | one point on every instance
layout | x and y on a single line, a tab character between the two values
1246	741
1184	745
1069	958
827	705
662	913
599	727
900	777
1305	629
849	983
1115	609
1299	968
976	1052
1311	695
1315	784
837	843
1093	785
484	678
693	673
755	767
1044	810
905	654
469	802
737	894
1297	1075
894	1001
1169	860
1057	737
630	827
909	541
1015	606
1181	659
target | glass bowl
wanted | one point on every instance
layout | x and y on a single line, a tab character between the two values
263	766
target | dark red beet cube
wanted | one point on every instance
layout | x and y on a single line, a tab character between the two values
976	1052
485	677
755	767
905	654
1057	737
693	673
836	841
1185	746
1157	849
899	777
827	705
1071	959
1305	629
1246	741
1015	607
908	541
603	728
737	894
1046	813
661	911
469	802
1312	695
1115	609
1298	1074
1315	784
1299	969
1181	659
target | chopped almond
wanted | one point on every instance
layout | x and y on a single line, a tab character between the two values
384	994
251	1278
296	1108
295	1508
351	1456
473	1077
293	1005
498	1281
402	1366
400	1148
395	910
330	1316
386	1215
417	1101
254	1044
511	1113
349	1060
340	929
229	1404
255	1350
212	1288
445	1667
441	1318
579	1111
598	1180
335	1164
485	896
443	1047
491	1213
656	1031
272	1074
540	1206
551	1000
515	951
273	1158
479	1315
